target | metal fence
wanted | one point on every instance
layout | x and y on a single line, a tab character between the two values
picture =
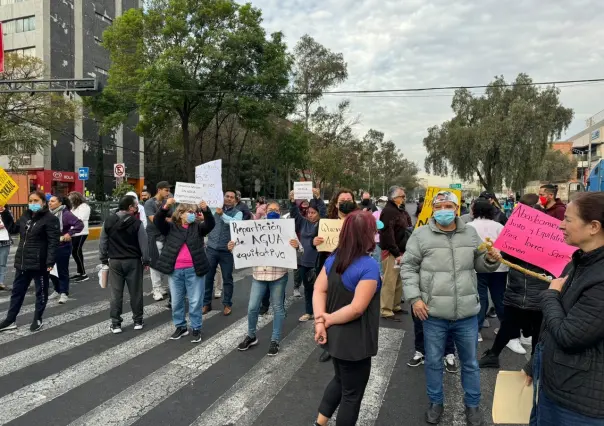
98	211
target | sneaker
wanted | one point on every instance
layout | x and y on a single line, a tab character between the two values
5	325
451	364
527	341
54	295
324	357
81	278
195	336
138	325
73	277
306	317
273	348
473	416
3	287
492	313
247	343
36	325
488	360
515	346
217	294
417	360
486	324
479	337
297	292
115	328
157	296
179	332
63	298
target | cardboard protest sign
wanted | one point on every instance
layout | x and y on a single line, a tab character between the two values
329	230
513	399
303	191
209	177
426	212
264	243
534	237
8	187
190	193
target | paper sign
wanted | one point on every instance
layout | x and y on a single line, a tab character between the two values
329	230
190	193
534	237
209	176
8	187
513	400
426	212
303	191
264	243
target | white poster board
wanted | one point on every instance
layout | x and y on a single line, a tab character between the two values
189	193
303	191
209	177
264	243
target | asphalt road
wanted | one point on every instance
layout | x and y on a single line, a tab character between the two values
74	372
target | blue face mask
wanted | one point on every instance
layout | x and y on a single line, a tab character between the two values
273	215
190	217
35	207
444	217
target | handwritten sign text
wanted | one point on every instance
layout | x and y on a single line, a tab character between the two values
264	243
329	230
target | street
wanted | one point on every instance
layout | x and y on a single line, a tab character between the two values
75	372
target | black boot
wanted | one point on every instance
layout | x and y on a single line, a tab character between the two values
434	413
473	416
324	357
489	360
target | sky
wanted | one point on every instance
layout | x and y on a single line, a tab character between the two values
393	44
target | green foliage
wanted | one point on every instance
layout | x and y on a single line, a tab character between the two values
120	190
498	137
555	167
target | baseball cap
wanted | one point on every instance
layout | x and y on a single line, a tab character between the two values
383	198
445	196
488	195
163	184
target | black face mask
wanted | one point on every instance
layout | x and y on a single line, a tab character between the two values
365	202
347	207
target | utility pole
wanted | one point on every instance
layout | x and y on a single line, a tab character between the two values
589	150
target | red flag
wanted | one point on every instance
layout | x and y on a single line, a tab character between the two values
1	49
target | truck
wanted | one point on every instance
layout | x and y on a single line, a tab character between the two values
595	180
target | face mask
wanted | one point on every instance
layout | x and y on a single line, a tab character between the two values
346	207
273	215
365	202
190	217
35	207
444	217
543	201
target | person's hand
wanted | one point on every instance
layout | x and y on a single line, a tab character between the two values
420	310
327	318
2	209
316	193
291	196
294	243
320	333
66	237
203	206
399	260
494	255
231	245
219	211
170	202
318	241
528	380
557	284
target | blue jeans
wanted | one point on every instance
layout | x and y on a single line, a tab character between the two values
62	256
184	282
3	261
465	336
225	260
495	283
277	289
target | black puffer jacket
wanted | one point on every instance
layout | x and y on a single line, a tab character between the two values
524	291
176	236
573	337
39	240
395	234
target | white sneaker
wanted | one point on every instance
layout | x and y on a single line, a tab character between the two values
164	292
157	295
486	324
496	330
217	294
479	337
515	346
63	298
527	341
54	295
297	292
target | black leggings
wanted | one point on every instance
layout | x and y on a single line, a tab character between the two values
515	319
346	390
76	251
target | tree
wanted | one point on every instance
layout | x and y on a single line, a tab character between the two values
26	118
498	137
555	167
185	61
122	189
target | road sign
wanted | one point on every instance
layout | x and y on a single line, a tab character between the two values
455	185
83	173
119	170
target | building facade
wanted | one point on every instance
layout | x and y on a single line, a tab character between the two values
592	136
67	36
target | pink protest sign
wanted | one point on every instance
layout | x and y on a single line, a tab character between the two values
534	237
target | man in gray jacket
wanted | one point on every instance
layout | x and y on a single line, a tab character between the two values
439	280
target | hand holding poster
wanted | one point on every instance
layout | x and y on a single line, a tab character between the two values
264	243
8	187
534	237
303	191
329	230
426	212
209	177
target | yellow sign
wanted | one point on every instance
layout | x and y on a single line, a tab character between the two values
329	230
426	212
8	187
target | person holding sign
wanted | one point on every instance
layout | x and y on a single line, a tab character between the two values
35	257
274	279
439	280
183	259
568	364
346	303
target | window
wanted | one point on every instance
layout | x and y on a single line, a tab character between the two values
7	2
103	17
101	71
26	51
19	25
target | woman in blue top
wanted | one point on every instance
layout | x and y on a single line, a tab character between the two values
346	303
